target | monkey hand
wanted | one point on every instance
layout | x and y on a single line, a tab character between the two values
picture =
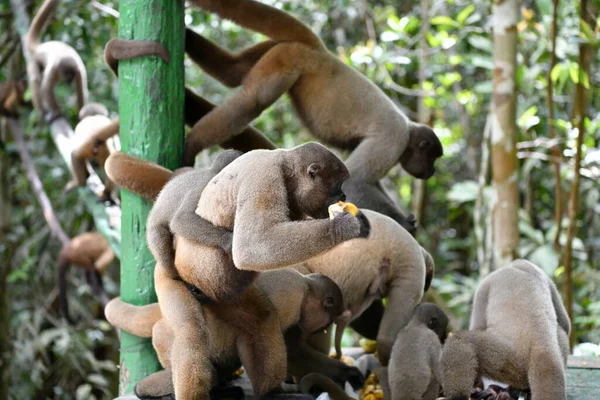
346	227
350	374
384	349
410	224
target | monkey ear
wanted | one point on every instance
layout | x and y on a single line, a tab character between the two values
313	169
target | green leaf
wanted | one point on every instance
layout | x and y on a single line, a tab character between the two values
546	257
480	42
574	72
463	192
585	31
443	20
555	73
584	79
464	14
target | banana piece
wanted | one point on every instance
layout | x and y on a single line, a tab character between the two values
341	207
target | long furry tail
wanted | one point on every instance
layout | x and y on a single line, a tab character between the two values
262	18
141	177
136	320
314	380
34	34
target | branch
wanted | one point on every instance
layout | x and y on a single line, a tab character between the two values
36	184
9	52
106	9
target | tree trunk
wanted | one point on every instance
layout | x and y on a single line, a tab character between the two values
504	133
151	127
579	113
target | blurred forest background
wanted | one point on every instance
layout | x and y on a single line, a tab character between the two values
433	58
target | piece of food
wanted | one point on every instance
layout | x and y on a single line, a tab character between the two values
372	389
369	346
341	207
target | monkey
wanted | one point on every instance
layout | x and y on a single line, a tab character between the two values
11	97
195	107
92	142
91	251
147	179
414	370
50	61
309	302
298	63
309	178
388	264
518	335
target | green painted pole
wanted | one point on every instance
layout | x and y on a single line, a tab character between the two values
151	97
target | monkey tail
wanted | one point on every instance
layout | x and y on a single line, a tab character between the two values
141	177
63	267
34	34
262	18
309	382
136	320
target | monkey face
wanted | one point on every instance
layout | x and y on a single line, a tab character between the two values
317	181
423	149
434	318
322	304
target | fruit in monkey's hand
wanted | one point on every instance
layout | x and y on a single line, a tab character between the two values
341	207
345	359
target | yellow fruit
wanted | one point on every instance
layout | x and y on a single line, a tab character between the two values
341	207
370	397
369	346
239	372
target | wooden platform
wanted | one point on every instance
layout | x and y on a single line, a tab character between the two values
583	378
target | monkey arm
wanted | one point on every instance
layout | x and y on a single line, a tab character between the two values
49	78
229	69
81	85
375	156
103	134
480	304
80	172
104	260
399	309
561	314
189	225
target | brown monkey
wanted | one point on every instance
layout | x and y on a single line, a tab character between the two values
195	106
310	302
414	371
88	250
389	263
297	62
11	97
93	143
518	335
50	61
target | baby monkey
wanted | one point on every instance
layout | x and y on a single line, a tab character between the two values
414	371
518	335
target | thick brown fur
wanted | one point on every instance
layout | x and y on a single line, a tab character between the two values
195	106
296	61
414	371
11	97
90	251
518	335
388	264
50	61
93	142
310	302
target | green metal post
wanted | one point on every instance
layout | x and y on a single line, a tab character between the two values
151	96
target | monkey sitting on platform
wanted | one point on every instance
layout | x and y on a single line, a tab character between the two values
414	371
518	335
311	302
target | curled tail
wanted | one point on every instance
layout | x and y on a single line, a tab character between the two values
34	34
262	18
314	380
63	267
136	320
141	177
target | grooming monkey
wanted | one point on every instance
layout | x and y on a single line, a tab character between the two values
50	61
296	61
389	263
518	335
11	97
195	106
310	302
414	371
268	209
90	251
93	143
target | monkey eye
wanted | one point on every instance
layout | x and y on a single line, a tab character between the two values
423	144
328	302
432	323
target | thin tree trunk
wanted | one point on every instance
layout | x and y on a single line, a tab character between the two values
558	211
419	185
504	133
579	114
480	235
